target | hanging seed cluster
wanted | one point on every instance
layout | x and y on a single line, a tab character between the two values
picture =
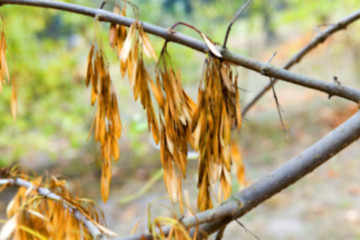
107	124
217	111
205	125
130	47
130	53
175	119
4	74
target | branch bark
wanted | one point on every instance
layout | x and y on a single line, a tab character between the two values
289	173
281	178
257	66
93	230
320	38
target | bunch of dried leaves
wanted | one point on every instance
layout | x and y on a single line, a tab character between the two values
106	124
217	111
34	216
206	126
130	47
176	113
4	73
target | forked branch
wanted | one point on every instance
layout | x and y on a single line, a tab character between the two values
238	205
284	176
320	38
257	66
237	14
244	201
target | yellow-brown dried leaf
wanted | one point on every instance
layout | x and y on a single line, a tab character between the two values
14	98
128	42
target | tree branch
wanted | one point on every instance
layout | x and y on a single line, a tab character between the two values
320	38
93	230
260	67
237	14
284	176
241	203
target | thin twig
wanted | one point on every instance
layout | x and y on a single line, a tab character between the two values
278	107
247	230
251	64
220	233
93	230
320	38
103	4
237	14
187	25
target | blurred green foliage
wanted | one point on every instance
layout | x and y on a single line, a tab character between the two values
46	49
47	53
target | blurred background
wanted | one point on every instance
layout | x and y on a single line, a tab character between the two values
47	54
